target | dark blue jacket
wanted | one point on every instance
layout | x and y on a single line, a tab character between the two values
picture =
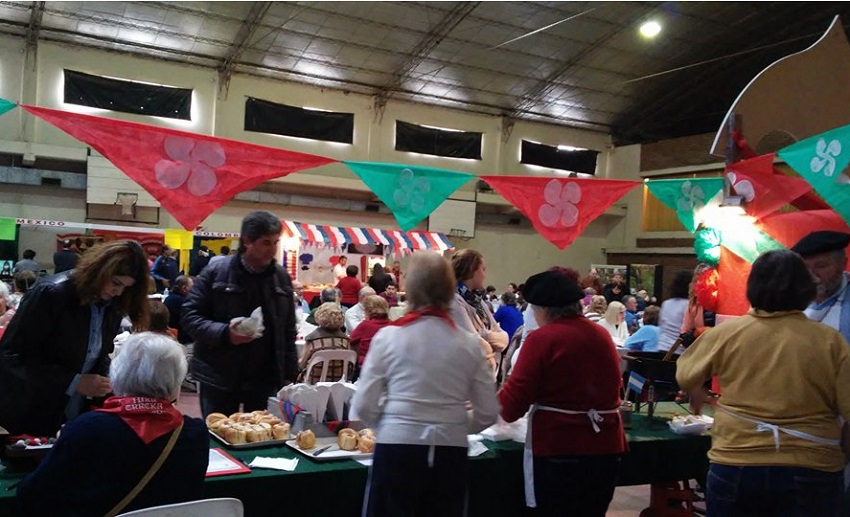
98	459
225	290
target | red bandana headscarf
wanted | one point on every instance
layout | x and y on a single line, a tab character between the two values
149	418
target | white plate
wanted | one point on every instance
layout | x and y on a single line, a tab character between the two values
334	453
703	424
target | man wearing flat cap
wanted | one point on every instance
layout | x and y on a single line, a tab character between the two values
569	373
825	254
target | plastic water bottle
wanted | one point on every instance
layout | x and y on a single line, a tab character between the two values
164	294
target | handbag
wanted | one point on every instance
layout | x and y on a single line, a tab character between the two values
149	475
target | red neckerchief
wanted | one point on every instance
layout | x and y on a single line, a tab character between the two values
410	317
149	418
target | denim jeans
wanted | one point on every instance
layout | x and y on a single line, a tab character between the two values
733	491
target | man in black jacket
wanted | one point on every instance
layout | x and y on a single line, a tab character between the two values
235	365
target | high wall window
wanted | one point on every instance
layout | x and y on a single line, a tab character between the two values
581	160
279	119
127	96
438	142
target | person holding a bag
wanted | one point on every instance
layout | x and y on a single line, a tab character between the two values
469	310
163	454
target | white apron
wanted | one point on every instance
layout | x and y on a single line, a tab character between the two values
766	427
527	455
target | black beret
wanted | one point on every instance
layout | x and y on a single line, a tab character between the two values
821	242
551	289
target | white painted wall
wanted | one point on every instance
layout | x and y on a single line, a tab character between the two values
513	254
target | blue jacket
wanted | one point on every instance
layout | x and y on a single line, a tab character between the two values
97	461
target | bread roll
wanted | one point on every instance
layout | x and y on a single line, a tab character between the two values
215	417
245	417
235	416
280	431
270	419
367	432
347	439
366	444
306	439
235	436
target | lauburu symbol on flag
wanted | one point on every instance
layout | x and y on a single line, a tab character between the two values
743	188
825	159
411	191
190	160
692	197
560	206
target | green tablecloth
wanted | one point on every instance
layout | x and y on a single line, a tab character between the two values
495	484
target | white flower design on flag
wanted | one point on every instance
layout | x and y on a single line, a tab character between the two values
826	155
743	188
692	198
560	206
411	191
191	162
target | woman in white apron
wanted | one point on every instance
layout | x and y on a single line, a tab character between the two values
786	380
420	374
569	373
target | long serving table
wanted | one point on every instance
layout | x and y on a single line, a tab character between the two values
495	477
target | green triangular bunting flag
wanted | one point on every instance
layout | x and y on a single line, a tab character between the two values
8	225
411	192
6	106
821	161
686	196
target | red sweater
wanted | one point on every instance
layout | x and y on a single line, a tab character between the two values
568	364
350	287
362	336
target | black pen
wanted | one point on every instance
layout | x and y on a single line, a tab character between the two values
323	449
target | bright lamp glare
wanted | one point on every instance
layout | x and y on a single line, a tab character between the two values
650	29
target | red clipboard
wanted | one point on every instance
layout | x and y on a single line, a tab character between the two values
223	464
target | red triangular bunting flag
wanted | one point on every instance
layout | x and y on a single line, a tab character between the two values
763	191
560	208
190	174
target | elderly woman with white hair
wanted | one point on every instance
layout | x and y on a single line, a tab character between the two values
614	322
137	451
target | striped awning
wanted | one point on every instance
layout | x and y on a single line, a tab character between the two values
397	242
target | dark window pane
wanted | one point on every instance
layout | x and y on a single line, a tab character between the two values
437	142
583	161
127	96
279	119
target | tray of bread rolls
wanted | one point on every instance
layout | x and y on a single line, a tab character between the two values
347	444
248	430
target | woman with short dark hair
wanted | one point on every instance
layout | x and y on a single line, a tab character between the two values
349	286
775	442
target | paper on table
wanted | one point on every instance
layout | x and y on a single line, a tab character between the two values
502	431
221	463
261	462
476	448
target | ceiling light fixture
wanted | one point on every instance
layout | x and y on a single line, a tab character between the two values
650	29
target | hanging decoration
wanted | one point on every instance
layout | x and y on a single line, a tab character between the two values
688	197
410	191
821	160
560	208
337	236
707	246
705	288
190	174
762	190
6	106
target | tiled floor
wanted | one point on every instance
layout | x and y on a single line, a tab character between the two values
628	501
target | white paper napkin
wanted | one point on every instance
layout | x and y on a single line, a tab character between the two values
261	462
476	448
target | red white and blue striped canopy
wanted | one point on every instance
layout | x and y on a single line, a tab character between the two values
396	241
